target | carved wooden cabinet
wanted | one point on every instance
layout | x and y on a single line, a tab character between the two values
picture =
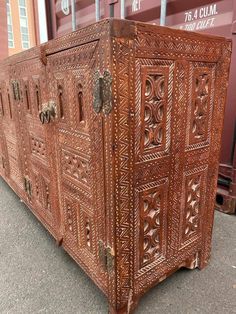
111	135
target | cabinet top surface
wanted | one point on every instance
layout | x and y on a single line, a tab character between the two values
109	28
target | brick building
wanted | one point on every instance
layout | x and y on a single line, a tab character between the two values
20	23
3	31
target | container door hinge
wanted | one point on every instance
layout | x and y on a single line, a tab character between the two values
16	90
102	92
107	256
28	187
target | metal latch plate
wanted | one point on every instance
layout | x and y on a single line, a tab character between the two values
106	255
102	92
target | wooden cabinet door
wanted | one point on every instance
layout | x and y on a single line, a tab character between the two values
11	166
174	120
79	155
36	141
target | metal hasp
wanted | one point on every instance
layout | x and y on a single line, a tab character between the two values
28	187
48	112
106	255
102	92
16	90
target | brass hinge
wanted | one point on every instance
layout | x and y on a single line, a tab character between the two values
28	187
106	255
16	90
102	92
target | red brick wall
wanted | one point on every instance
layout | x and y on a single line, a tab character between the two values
3	31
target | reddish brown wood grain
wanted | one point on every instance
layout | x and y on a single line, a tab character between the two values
127	186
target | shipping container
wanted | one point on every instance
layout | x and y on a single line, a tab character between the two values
205	16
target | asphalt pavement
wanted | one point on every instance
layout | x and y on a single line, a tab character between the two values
38	277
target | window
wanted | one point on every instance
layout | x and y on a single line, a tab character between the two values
25	37
25	44
24	24
22	3
22	12
24	30
10	44
9	26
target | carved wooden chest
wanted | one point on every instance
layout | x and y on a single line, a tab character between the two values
111	135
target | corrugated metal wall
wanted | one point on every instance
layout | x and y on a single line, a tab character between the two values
214	17
85	14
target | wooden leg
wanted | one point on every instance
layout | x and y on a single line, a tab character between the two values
203	261
127	309
113	310
197	261
59	241
193	262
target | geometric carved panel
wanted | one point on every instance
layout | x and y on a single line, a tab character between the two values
154	109
200	108
41	191
14	164
200	104
86	231
46	194
74	166
70	218
152	213
193	186
38	147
